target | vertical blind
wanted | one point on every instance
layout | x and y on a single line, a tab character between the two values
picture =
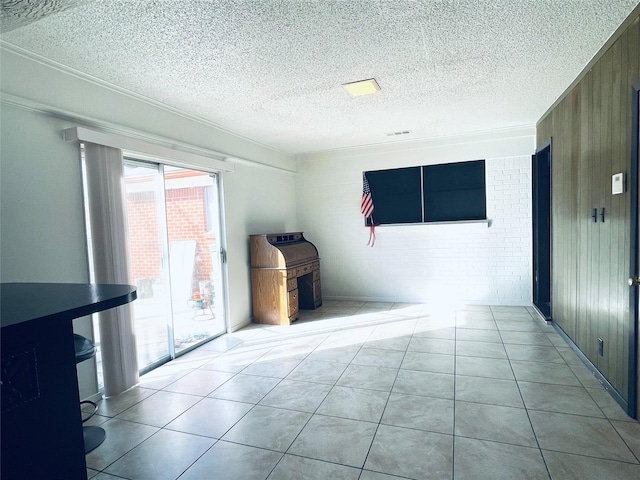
104	188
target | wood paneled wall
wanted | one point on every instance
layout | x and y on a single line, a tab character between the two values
590	131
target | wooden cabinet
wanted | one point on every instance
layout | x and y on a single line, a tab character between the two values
285	276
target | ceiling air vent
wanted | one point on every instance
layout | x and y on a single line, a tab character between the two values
396	134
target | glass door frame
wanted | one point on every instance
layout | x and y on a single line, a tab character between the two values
216	178
160	201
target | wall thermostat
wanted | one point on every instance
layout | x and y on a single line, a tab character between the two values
617	183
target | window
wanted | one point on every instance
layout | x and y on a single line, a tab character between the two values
454	191
433	193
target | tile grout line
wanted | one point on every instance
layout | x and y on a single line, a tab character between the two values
373	439
455	406
539	448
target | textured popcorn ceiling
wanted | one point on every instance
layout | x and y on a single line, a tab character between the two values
271	70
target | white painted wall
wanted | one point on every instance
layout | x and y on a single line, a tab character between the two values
257	201
42	235
472	263
42	225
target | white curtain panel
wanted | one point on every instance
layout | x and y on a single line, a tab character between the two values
108	230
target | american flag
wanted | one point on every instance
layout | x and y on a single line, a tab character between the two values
366	207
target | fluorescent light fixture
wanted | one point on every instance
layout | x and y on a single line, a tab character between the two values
362	87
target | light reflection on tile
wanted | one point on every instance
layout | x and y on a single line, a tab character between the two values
365	391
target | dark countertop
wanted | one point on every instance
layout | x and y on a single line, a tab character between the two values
23	302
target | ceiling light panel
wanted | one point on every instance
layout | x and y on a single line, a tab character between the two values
362	87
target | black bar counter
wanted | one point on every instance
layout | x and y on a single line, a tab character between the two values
41	420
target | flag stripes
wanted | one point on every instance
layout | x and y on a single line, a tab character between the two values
366	206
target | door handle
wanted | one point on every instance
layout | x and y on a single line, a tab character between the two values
602	214
594	215
634	281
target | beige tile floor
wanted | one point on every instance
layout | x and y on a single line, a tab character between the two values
372	391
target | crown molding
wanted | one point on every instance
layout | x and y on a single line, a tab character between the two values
47	62
501	134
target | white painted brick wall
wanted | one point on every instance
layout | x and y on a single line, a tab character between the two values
469	263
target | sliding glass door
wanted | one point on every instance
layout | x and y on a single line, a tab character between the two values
195	268
148	269
173	225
